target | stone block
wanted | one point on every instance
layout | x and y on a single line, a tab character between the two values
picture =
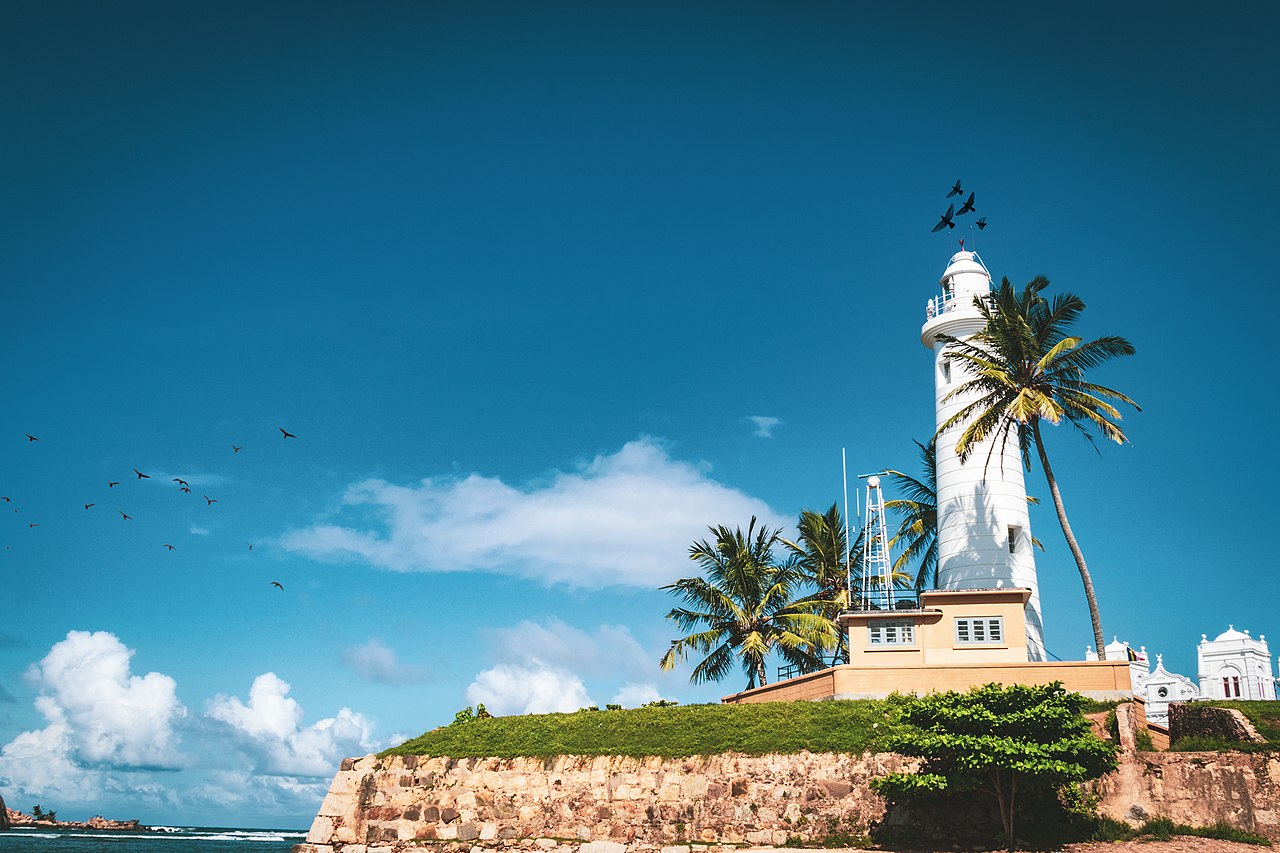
546	843
488	831
321	830
836	788
603	847
468	832
675	848
344	834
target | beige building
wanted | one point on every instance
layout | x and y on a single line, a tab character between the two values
952	640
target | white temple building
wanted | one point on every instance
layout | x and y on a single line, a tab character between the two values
1233	665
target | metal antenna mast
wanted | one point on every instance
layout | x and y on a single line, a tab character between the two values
877	567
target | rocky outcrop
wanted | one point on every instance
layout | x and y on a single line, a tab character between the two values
1189	719
4	816
17	818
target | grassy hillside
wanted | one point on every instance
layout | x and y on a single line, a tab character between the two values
670	732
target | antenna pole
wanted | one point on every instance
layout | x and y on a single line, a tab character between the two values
848	565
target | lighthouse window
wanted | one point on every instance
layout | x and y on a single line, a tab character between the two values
979	630
1015	533
885	633
946	371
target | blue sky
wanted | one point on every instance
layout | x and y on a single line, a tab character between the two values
544	290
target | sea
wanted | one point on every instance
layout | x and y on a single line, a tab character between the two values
155	839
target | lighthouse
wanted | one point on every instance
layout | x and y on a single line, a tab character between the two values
984	532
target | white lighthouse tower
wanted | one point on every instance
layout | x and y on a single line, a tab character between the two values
984	533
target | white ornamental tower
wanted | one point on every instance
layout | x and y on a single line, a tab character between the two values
984	533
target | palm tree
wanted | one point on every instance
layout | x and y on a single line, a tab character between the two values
1028	369
918	529
744	608
822	557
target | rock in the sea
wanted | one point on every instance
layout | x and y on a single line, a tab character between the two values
4	815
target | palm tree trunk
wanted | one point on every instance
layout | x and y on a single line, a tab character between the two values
1099	644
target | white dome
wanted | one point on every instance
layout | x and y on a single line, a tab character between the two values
1231	634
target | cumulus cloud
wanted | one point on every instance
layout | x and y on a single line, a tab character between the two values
764	425
269	727
375	662
528	689
108	715
635	695
108	731
624	519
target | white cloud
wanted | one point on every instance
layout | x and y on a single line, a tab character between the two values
268	726
103	722
609	650
764	425
624	519
108	732
110	716
635	695
528	689
375	662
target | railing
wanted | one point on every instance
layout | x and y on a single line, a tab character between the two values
792	670
944	303
878	600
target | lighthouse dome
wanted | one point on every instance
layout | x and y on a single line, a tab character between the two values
1231	634
965	277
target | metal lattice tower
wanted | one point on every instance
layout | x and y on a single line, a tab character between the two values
877	567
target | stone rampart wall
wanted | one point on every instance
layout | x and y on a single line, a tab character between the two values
401	802
575	804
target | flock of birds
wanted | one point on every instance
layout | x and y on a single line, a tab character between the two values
183	486
948	219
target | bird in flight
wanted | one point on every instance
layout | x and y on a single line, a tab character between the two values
235	449
86	506
180	481
211	501
30	437
33	525
185	489
945	221
286	433
141	476
967	207
123	516
111	485
170	547
6	500
250	544
982	223
277	584
955	190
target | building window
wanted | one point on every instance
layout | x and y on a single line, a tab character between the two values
980	630
1015	535
1231	687
946	371
885	633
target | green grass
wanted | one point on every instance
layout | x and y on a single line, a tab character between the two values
1163	829
674	732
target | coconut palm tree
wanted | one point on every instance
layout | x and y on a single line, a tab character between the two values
1027	369
918	529
820	553
744	608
